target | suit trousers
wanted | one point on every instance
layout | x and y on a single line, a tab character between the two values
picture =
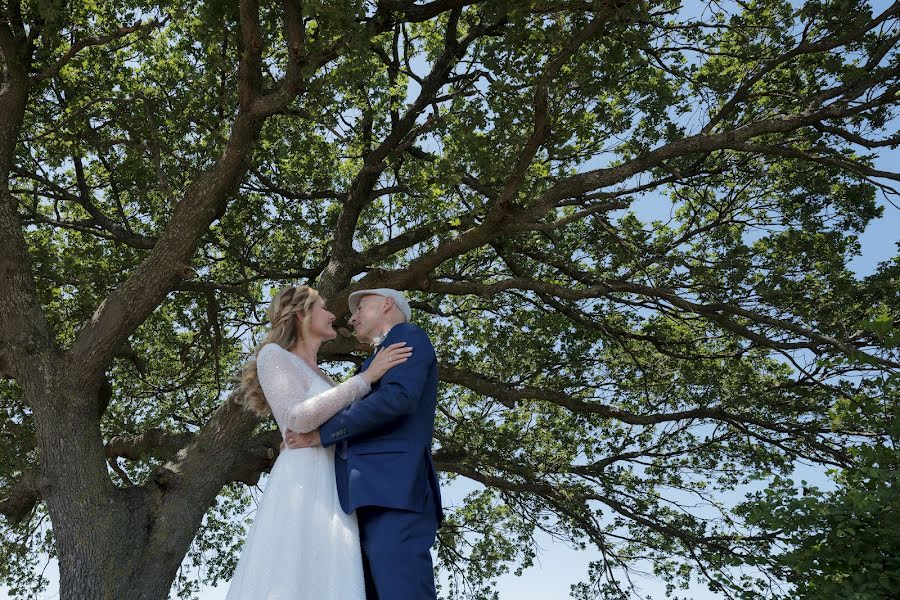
396	549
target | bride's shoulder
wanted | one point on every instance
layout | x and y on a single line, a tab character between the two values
276	356
271	352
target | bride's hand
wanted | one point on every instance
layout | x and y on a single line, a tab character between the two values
385	358
295	439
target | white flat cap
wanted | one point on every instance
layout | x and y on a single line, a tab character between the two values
399	301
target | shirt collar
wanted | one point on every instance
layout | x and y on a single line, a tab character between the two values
379	339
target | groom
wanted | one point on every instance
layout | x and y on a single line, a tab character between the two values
383	455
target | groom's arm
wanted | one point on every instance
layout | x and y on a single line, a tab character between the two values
398	395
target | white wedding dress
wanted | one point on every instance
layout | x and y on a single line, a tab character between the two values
301	544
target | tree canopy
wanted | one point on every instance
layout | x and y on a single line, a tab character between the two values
607	377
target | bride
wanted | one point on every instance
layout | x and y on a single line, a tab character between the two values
301	544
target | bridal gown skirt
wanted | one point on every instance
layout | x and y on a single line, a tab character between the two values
301	544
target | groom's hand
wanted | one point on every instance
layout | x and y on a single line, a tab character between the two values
296	439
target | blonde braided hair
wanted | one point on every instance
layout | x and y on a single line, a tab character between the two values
288	302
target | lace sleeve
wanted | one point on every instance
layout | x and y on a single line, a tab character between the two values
286	385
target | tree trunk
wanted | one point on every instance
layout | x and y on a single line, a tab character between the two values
126	543
89	519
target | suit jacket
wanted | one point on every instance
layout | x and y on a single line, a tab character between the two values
383	454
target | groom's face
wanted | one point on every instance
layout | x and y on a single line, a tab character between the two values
368	319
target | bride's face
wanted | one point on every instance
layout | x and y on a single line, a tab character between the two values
320	322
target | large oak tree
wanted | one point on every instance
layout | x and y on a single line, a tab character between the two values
606	378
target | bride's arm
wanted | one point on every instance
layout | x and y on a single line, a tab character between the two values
286	386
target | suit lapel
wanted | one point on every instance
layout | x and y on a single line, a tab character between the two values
365	365
368	361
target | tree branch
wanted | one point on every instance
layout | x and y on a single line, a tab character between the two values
204	201
801	49
541	127
81	44
509	396
117	231
401	136
22	496
712	311
256	454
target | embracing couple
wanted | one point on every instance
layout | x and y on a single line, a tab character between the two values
352	505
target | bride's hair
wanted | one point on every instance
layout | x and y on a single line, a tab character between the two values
285	332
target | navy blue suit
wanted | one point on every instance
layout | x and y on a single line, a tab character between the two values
384	471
